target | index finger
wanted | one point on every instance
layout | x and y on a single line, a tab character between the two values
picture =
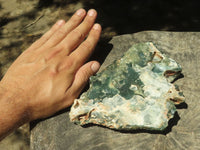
85	49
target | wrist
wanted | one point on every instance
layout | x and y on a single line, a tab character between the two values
13	110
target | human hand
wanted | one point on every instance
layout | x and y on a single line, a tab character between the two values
51	73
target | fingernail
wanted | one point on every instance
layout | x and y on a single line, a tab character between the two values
95	67
91	12
96	27
80	12
60	22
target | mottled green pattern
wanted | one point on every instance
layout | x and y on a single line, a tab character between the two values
133	92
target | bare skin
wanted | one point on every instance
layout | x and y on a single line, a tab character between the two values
51	73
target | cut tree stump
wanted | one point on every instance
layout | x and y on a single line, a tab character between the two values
58	133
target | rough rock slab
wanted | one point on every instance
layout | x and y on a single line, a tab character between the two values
59	133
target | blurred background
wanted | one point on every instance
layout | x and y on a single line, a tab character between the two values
24	21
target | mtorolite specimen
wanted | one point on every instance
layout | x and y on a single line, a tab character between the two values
134	92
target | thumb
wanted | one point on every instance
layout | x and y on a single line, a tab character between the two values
82	76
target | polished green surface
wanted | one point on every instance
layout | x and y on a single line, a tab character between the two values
133	92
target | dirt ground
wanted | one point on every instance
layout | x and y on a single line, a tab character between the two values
23	21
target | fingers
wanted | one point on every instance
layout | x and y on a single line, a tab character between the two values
75	37
60	34
82	76
83	52
78	57
47	35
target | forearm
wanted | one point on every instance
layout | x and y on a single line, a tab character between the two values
12	112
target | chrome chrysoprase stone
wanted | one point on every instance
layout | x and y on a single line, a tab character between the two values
134	92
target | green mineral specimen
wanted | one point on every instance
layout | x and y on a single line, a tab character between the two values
134	92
